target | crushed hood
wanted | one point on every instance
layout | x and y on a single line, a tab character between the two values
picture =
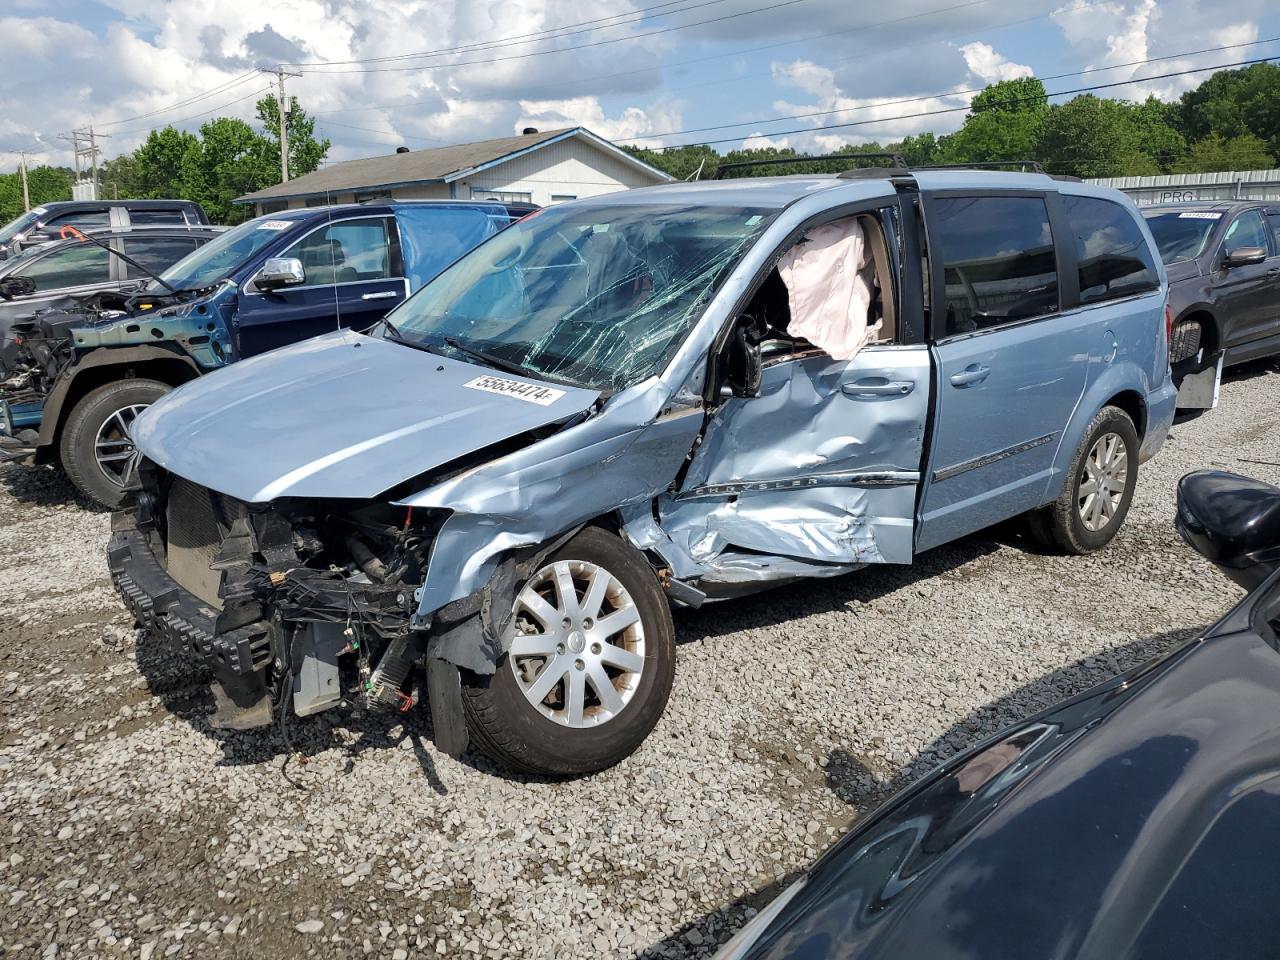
343	415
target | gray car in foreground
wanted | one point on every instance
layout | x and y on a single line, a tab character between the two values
657	397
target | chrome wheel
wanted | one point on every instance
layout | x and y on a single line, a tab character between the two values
577	643
113	447
1103	481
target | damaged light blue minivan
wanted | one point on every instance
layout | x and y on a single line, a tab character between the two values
492	499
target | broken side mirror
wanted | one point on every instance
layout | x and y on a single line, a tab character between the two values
743	363
280	272
1244	257
11	287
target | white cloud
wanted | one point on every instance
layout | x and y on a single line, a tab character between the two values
634	125
989	66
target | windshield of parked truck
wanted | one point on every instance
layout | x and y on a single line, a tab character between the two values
1182	235
594	295
224	253
14	227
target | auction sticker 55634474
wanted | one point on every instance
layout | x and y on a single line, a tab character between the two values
528	392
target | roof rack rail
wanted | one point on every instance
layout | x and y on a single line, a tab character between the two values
896	163
1024	166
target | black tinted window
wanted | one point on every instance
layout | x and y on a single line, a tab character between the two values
156	217
71	266
80	218
1274	220
998	260
157	254
1247	230
1112	257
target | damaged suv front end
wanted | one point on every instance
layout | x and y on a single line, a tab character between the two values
419	513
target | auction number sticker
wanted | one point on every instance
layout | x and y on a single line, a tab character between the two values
528	392
1199	215
274	225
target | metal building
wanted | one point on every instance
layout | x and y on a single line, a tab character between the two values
1224	185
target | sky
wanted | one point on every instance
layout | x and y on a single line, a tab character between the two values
378	74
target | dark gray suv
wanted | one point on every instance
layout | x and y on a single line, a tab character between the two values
1223	261
42	224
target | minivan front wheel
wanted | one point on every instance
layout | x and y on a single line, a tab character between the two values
1099	488
589	667
97	447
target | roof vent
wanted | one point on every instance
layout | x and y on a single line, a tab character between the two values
402	149
528	130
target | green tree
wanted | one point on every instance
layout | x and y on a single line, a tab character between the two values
1004	123
1213	153
1157	124
683	163
44	184
305	151
229	160
156	168
1232	103
1092	137
919	150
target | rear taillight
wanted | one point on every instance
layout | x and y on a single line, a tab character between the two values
1168	324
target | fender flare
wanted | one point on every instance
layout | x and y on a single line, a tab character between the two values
51	414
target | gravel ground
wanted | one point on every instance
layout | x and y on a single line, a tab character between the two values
129	828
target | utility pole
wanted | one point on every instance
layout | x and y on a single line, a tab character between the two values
282	106
84	144
26	194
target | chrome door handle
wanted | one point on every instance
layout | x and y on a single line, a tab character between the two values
974	373
861	390
384	295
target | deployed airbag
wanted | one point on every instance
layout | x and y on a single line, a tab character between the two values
829	277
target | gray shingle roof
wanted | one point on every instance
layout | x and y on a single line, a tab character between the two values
399	168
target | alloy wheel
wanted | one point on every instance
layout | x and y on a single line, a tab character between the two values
577	643
113	446
1103	481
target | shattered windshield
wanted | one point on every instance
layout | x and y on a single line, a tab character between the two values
1181	236
598	296
217	258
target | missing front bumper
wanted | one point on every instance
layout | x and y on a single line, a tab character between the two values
238	658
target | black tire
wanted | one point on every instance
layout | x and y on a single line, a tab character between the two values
1060	524
506	726
80	433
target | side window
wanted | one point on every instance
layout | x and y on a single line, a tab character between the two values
345	252
998	260
1112	257
84	219
1273	219
157	254
1246	230
152	216
71	266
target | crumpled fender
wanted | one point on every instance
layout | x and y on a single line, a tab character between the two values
103	357
625	455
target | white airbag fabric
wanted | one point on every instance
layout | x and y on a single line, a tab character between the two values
829	276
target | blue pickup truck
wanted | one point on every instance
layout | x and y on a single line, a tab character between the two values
72	381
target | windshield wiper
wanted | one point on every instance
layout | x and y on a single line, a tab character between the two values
510	366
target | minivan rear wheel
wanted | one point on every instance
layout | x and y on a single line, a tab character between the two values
97	448
1099	489
590	663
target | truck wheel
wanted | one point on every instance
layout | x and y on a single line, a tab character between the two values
590	665
1099	488
97	450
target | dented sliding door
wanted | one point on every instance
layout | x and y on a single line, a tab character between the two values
821	467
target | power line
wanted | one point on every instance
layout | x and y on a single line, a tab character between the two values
999	103
952	93
580	46
550	33
863	27
203	113
182	103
